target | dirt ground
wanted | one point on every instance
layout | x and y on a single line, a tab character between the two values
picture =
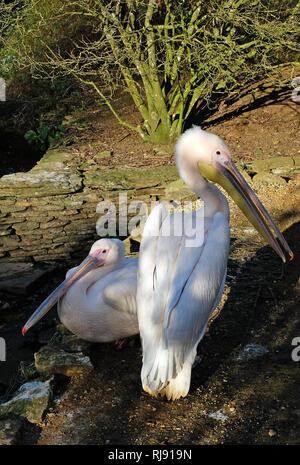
259	125
231	401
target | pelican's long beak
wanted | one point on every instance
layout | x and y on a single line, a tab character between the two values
225	173
88	264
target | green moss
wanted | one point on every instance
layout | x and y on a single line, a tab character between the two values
132	178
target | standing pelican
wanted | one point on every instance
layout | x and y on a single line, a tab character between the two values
179	285
97	298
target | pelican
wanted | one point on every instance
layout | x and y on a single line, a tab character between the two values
180	285
97	298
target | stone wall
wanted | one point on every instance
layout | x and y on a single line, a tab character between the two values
49	213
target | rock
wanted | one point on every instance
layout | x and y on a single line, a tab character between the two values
11	208
10	220
6	230
281	171
285	164
178	191
25	226
219	415
20	278
131	178
10	241
40	182
30	400
54	159
268	179
10	427
251	352
53	359
164	150
104	154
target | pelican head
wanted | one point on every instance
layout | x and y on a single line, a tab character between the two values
107	251
211	155
104	252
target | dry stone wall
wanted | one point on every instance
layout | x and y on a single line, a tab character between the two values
49	213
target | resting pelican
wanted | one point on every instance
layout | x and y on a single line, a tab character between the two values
180	285
97	298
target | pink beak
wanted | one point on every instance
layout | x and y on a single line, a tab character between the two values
88	264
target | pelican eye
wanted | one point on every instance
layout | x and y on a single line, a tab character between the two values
104	251
218	152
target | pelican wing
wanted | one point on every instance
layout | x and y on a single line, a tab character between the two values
178	288
120	292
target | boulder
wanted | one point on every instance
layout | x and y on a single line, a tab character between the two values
54	159
279	165
20	278
251	352
268	179
53	359
10	427
30	400
40	182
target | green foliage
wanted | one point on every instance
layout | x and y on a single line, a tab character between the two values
27	26
174	57
44	136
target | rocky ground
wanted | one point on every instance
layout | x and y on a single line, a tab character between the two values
244	390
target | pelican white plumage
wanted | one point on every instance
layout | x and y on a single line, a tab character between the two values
179	286
97	299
